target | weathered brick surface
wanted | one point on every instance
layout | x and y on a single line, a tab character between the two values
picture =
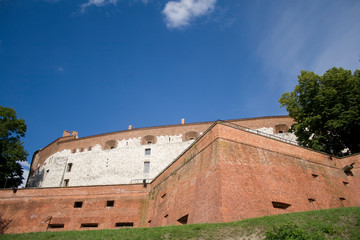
228	174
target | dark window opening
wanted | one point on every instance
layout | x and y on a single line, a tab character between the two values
280	131
346	183
314	175
47	170
69	166
311	200
66	182
191	138
166	215
57	225
78	204
280	205
89	225
147	151
124	224
149	142
342	201
110	203
112	147
183	219
149	221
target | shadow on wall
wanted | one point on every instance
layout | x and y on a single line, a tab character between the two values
4	223
36	179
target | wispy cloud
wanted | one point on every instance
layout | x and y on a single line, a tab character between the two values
180	14
98	3
25	164
25	176
312	36
60	69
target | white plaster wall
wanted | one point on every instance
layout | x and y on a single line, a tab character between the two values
122	165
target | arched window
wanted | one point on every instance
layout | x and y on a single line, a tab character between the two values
111	144
281	128
192	135
149	139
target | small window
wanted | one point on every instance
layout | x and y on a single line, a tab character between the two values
149	142
148	151
191	138
146	167
58	225
66	182
183	219
89	225
280	131
346	183
110	203
280	205
69	166
78	204
47	170
124	224
342	201
166	215
149	221
112	147
314	175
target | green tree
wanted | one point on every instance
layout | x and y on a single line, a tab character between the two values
326	110
11	148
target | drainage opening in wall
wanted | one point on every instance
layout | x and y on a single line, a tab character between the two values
89	225
314	175
78	204
280	205
124	224
183	219
57	225
110	203
346	183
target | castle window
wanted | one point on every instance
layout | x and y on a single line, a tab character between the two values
148	151
281	128
58	225
280	205
346	183
78	204
110	144
311	200
69	166
146	167
110	203
192	135
124	224
66	182
183	219
149	139
89	225
314	175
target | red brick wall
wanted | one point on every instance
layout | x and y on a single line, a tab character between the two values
28	208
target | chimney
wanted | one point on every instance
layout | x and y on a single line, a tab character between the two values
66	133
183	121
130	127
75	133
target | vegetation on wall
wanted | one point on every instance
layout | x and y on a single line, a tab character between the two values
12	151
326	110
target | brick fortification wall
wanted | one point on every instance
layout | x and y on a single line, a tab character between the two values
227	174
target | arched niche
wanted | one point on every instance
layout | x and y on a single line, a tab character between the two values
281	128
148	139
192	135
110	144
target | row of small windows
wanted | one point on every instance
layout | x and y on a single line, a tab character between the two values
92	225
147	140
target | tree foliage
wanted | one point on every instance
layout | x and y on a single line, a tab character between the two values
11	148
326	110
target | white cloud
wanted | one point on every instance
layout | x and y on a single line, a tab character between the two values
25	176
98	3
25	164
315	37
180	14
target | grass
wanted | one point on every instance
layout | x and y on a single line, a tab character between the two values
341	223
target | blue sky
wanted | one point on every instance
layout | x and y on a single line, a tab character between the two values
96	66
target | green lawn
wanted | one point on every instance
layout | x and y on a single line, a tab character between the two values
341	223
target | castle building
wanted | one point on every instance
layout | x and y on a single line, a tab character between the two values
177	174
